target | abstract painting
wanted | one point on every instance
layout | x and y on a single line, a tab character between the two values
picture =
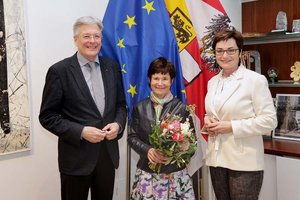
14	104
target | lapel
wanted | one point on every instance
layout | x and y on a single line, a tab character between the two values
105	72
81	83
234	85
211	93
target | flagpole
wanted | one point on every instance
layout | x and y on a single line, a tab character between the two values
199	184
128	171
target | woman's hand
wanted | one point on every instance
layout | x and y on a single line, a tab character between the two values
209	125
156	157
215	127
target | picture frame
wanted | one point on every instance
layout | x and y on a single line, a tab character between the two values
251	60
288	116
15	134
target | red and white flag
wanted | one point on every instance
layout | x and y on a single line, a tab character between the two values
195	22
208	17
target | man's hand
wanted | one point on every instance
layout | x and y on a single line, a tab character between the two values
111	130
93	134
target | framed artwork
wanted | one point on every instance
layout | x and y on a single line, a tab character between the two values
288	116
251	60
14	104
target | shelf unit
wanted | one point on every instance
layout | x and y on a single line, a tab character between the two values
284	83
277	49
273	38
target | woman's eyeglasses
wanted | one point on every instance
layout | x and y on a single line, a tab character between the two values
220	52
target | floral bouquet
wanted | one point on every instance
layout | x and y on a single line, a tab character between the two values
175	139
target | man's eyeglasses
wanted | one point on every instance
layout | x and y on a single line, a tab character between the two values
89	37
220	52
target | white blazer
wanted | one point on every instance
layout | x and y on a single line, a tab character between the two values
248	104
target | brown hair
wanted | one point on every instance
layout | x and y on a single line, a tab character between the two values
163	66
226	34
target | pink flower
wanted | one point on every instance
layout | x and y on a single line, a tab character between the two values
168	115
177	137
185	145
171	127
174	137
176	125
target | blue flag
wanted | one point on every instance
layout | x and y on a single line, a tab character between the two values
136	32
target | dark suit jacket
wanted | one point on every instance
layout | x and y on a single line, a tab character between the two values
67	106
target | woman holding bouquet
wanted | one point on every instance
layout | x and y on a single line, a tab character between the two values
161	173
239	110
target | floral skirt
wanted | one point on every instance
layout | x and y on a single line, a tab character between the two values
177	185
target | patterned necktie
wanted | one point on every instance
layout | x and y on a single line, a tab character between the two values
98	88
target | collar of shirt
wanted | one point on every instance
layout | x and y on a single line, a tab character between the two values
83	61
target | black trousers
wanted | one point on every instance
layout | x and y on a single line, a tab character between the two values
236	185
101	181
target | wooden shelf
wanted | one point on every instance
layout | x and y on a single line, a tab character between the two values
246	1
272	38
284	83
282	147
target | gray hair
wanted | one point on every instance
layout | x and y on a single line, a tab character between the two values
86	20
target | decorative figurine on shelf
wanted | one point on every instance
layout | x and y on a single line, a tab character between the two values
273	74
295	74
296	26
281	21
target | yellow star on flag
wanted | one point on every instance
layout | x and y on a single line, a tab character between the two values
123	68
130	21
149	6
184	92
132	90
120	43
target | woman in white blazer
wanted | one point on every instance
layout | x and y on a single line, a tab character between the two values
239	110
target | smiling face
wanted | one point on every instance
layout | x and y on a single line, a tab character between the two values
229	63
160	84
88	41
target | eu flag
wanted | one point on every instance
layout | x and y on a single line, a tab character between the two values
135	33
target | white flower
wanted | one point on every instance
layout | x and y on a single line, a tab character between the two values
185	128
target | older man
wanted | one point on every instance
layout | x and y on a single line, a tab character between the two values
84	105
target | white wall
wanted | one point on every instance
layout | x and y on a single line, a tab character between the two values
34	175
269	186
234	11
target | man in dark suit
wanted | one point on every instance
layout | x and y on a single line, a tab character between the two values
88	120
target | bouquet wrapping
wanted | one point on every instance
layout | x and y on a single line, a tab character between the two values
175	138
